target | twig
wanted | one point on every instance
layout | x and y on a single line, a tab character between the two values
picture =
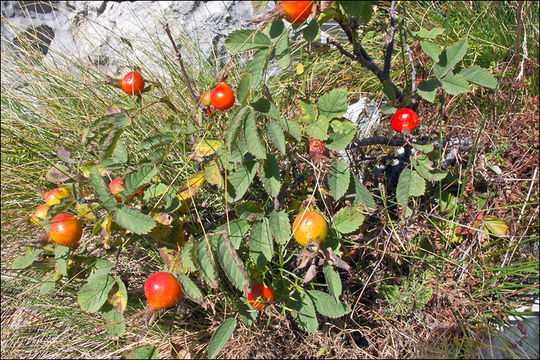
179	56
409	53
390	46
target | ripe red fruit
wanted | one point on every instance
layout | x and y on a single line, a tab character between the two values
309	226
404	119
65	230
115	186
222	97
296	12
54	196
262	292
162	290
132	83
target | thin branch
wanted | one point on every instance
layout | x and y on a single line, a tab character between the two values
409	53
179	56
390	46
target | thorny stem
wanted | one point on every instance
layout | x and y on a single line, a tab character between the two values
179	56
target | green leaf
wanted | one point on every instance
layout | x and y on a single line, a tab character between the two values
275	29
61	254
328	306
257	66
244	40
239	229
424	167
261	245
243	88
454	84
309	110
291	127
144	352
94	294
190	289
48	284
333	280
108	142
280	227
102	190
133	182
429	34
348	219
245	210
431	49
232	264
187	256
154	142
338	178
247	313
388	91
427	89
276	135
239	181
258	6
319	128
333	104
235	126
205	262
282	52
266	108
24	261
270	176
410	183
311	31
361	9
496	226
339	140
251	137
115	321
479	76
303	312
450	57
134	220
220	337
363	196
101	267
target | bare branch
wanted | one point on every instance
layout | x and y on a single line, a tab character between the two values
390	46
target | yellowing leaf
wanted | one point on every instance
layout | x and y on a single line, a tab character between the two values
117	300
106	231
496	226
191	186
212	174
299	69
86	211
207	147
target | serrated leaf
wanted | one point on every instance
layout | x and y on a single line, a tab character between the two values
280	226
115	325
239	181
244	87
276	135
424	167
205	262
244	40
429	34
220	337
361	9
363	196
328	306
24	261
282	52
118	296
270	177
303	312
186	257
247	209
261	244
257	66
291	127
426	149
232	264
496	226
134	220
237	229
450	57
311	31
143	352
454	84
47	285
191	290
348	219
58	173
333	104
333	280
102	190
319	128
247	313
101	267
94	294
427	89
153	142
479	76
410	183
136	180
212	175
338	140
109	141
251	137
207	147
266	108
235	127
310	112
338	178
61	254
431	49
